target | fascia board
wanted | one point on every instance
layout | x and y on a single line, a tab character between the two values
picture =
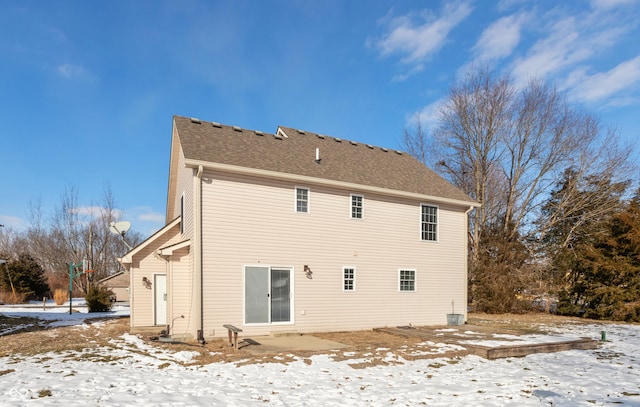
326	182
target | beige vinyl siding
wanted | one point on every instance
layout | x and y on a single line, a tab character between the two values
181	295
146	263
176	151
141	300
250	221
185	188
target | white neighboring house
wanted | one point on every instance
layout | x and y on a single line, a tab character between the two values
297	231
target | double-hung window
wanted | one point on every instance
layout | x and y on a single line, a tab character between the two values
429	223
407	280
356	206
348	279
302	200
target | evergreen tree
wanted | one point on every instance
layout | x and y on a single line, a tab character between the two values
605	279
499	278
578	209
25	276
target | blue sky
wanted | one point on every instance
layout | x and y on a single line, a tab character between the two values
89	88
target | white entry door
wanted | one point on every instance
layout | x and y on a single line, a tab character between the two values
160	299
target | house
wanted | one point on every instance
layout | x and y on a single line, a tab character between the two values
299	232
118	283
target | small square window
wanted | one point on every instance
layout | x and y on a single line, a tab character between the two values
407	280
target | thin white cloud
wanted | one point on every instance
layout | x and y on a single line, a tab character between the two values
71	71
603	85
563	48
13	222
402	76
609	4
500	38
504	5
417	36
90	211
570	42
428	116
151	217
95	211
144	219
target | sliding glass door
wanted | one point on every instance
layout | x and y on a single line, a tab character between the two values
267	294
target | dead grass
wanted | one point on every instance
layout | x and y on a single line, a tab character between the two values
12	297
365	348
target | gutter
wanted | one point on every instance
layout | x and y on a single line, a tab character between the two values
198	272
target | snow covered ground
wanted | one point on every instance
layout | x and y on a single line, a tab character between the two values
132	372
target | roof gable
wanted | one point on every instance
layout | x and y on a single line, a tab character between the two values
122	274
128	257
310	155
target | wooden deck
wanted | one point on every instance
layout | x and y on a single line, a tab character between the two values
463	334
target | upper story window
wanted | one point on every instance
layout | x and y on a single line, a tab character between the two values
407	280
302	200
429	223
348	279
356	206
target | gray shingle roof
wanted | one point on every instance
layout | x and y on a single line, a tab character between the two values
293	151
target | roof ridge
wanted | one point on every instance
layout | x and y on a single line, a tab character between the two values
196	120
339	139
297	131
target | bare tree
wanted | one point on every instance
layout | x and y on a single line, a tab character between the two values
104	248
473	123
506	147
73	234
415	141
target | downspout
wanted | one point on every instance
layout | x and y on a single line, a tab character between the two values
198	255
466	261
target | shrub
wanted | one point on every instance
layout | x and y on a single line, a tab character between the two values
99	299
25	276
60	296
58	281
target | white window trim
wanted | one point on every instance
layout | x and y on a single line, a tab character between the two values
351	206
354	278
415	280
295	199
437	223
291	296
